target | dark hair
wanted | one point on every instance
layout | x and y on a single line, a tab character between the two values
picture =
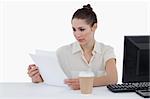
86	13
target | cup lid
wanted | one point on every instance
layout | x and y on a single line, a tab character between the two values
86	74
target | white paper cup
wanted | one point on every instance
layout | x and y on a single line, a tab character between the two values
86	82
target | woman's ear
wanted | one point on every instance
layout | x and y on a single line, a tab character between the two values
94	27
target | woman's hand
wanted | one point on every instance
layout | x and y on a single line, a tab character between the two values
73	83
33	72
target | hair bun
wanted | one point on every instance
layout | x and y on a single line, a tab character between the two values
88	6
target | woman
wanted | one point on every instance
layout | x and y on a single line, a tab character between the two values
85	54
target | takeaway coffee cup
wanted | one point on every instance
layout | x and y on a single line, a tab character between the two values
86	82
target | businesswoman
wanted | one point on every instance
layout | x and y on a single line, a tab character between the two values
84	54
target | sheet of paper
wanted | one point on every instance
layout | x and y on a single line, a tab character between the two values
44	52
49	67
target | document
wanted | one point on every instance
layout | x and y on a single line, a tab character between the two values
49	67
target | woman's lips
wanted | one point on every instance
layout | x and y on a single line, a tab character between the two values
80	40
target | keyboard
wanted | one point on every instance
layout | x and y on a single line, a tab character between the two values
143	93
129	87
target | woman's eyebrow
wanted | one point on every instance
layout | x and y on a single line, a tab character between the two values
80	27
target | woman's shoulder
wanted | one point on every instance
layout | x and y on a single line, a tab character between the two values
65	48
104	47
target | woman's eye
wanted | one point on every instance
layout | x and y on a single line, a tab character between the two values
74	29
82	30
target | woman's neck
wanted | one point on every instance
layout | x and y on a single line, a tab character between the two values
88	47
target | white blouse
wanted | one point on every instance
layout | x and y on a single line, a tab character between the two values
72	60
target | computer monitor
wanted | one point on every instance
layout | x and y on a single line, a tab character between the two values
136	65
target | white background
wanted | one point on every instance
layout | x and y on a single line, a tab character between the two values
26	25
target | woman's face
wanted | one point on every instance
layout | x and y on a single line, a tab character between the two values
82	31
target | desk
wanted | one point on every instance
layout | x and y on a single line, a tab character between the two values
44	91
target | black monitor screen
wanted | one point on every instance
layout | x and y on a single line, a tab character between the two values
136	65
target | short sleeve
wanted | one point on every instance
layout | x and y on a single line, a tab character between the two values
108	54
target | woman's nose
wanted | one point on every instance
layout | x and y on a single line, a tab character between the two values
77	34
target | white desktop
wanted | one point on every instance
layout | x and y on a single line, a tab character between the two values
44	91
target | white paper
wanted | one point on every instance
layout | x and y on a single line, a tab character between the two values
43	52
49	67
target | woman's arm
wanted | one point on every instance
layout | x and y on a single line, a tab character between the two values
111	76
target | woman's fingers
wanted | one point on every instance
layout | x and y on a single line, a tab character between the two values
34	73
75	86
31	74
31	66
32	69
37	75
73	83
